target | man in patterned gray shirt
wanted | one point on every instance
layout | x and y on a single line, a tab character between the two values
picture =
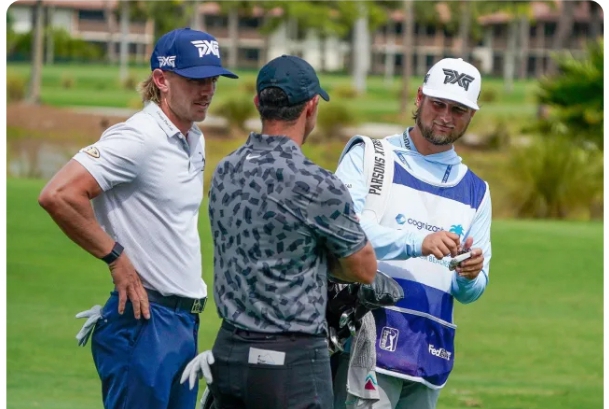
277	220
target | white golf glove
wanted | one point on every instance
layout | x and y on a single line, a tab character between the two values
92	316
200	365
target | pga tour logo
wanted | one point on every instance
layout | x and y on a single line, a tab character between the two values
440	352
207	47
169	61
389	339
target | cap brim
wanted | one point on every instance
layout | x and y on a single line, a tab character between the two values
322	93
450	96
207	71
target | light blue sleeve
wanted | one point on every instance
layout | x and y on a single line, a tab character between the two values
464	289
388	243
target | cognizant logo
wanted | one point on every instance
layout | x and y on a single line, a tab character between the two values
424	226
457	229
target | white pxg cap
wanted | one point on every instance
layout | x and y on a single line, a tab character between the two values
455	80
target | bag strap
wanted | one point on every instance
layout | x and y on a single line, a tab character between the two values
378	173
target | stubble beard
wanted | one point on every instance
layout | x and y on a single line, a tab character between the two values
434	139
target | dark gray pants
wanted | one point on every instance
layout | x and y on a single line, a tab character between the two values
245	378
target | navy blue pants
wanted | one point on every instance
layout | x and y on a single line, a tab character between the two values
140	362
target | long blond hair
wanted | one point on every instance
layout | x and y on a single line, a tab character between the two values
149	91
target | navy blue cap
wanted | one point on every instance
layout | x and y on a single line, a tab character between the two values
189	53
294	76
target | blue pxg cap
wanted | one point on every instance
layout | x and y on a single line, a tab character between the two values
292	75
190	53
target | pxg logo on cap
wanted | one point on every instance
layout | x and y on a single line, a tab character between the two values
294	76
455	80
190	53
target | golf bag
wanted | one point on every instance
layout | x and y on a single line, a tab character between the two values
207	400
348	303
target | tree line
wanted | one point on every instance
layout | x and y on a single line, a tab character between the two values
353	21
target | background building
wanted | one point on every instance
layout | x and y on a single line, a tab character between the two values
531	37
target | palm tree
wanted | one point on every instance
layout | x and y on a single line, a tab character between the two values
272	21
49	55
10	32
331	18
33	96
111	27
124	56
464	27
326	20
390	39
523	50
390	52
167	15
233	34
426	14
234	9
464	14
361	43
363	17
596	21
509	64
520	17
518	13
408	33
564	28
195	22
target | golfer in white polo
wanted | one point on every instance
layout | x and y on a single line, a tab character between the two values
144	178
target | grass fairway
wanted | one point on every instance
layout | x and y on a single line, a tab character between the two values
533	341
74	85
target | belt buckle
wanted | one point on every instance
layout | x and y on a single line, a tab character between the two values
198	306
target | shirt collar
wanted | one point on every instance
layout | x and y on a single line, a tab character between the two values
448	157
406	142
262	141
164	123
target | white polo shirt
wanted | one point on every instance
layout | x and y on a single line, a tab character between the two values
152	182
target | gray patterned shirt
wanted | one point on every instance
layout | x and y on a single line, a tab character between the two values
275	216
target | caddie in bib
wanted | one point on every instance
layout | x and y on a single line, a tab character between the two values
421	207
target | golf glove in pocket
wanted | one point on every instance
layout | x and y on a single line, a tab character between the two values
200	365
92	316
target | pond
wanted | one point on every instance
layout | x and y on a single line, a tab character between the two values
37	158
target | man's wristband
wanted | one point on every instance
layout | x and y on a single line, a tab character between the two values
116	252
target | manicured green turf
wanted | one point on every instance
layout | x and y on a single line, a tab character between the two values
99	85
49	280
533	341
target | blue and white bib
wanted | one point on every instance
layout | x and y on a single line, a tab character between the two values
415	338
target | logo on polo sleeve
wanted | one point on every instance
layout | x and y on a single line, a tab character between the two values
91	151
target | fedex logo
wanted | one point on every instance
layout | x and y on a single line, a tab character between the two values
440	352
